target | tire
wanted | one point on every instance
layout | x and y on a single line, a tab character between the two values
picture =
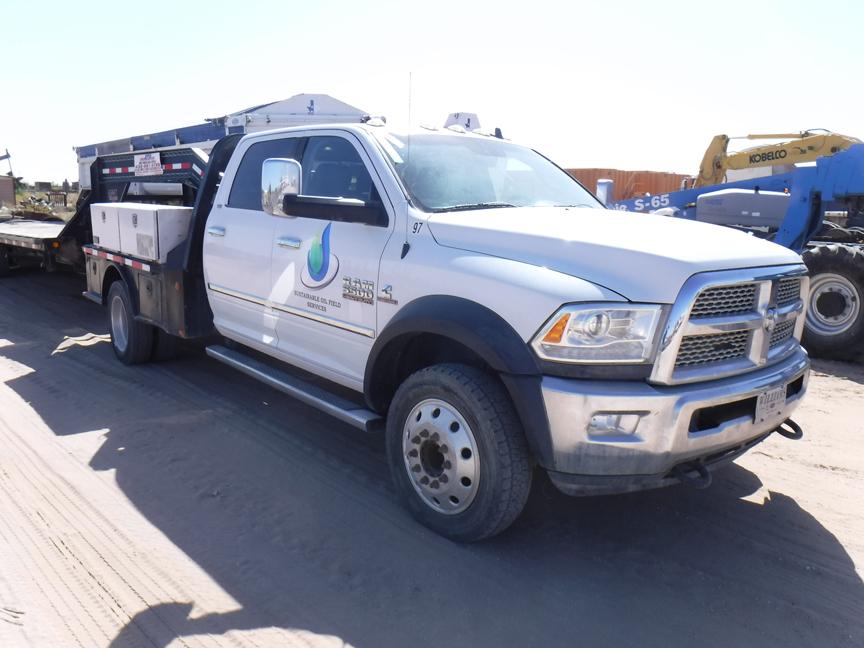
835	313
455	427
4	261
132	340
165	346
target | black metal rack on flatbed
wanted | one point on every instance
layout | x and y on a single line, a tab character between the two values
170	296
51	243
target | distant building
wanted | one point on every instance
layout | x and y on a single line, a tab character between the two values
7	191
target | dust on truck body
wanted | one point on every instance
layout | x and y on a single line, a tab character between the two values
473	302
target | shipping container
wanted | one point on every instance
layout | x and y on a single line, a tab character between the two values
630	184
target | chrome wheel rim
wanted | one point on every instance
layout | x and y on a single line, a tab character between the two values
441	457
119	324
834	304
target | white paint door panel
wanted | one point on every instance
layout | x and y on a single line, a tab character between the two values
237	258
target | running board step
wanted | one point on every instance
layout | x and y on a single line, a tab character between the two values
317	397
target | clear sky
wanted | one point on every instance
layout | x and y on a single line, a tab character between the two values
629	85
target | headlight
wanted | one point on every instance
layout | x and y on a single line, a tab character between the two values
599	333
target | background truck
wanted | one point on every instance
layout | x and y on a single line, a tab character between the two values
806	193
473	301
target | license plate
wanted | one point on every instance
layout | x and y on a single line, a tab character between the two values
769	404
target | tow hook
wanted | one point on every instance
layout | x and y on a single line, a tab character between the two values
700	481
791	430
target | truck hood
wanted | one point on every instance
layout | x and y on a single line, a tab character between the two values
642	257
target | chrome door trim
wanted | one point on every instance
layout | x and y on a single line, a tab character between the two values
237	294
330	321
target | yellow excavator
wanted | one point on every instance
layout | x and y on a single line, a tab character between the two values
805	146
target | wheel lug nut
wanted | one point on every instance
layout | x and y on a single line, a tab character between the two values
443	449
424	480
415	440
435	436
424	433
443	479
416	468
447	465
434	483
413	453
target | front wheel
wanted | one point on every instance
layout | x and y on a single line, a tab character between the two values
132	340
835	315
457	452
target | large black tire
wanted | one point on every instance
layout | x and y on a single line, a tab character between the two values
4	261
455	426
835	313
165	346
132	340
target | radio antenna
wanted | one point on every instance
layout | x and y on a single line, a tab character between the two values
409	97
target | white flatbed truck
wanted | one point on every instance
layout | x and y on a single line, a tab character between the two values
468	298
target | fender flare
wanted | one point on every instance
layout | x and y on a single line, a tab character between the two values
127	278
486	334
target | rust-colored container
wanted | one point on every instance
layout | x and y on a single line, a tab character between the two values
630	184
7	191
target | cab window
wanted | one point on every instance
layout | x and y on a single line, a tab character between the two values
332	168
246	189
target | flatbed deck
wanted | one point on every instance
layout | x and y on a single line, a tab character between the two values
27	233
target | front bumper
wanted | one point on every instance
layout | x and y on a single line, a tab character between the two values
705	423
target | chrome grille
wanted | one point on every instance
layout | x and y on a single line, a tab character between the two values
719	347
788	291
782	333
731	321
725	300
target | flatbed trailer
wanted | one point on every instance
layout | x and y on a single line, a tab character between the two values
54	244
25	242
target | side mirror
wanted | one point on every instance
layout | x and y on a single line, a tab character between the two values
346	210
280	179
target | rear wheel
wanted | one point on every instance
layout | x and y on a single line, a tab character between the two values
132	340
835	315
165	346
457	452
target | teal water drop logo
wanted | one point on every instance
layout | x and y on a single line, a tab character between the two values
318	258
321	265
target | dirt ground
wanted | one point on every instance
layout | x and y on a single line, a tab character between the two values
184	504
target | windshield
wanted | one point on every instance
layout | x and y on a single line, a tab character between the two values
452	172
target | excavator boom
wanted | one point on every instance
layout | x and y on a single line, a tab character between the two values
806	146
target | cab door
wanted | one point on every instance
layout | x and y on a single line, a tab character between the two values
324	271
238	248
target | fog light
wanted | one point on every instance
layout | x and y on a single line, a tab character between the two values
613	424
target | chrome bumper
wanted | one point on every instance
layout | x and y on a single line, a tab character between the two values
704	422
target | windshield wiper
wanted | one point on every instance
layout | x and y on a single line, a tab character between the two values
468	206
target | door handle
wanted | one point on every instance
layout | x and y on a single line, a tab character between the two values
216	231
287	242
